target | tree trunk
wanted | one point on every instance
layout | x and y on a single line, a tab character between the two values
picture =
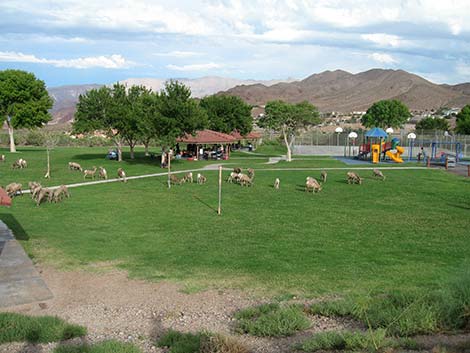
131	146
146	147
12	139
288	146
118	143
48	174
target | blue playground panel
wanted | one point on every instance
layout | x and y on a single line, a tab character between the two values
353	161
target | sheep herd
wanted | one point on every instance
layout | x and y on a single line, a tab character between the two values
187	178
102	173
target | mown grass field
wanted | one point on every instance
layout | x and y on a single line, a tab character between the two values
408	232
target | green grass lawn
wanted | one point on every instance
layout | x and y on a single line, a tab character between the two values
410	231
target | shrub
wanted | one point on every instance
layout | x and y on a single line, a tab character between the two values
102	347
200	342
179	342
43	329
34	138
372	341
272	320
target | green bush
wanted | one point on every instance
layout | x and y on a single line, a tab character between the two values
179	342
272	320
42	329
35	138
102	347
371	341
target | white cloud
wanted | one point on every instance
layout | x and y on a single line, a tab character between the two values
179	54
195	67
383	39
383	58
107	62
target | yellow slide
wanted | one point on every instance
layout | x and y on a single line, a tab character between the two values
396	156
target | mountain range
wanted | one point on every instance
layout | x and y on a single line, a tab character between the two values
337	90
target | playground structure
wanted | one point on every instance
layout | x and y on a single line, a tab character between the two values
391	149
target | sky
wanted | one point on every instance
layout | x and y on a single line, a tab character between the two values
82	41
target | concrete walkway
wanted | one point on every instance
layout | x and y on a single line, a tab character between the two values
20	282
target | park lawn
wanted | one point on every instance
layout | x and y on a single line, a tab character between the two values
408	232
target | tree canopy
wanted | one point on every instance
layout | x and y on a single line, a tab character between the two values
288	119
386	113
178	113
227	113
24	101
431	123
463	121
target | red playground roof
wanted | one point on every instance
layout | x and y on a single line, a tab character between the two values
5	200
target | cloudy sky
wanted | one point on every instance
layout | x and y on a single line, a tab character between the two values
84	41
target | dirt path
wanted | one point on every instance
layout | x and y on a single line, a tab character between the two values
112	306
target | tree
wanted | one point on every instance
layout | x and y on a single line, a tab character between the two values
50	141
24	102
178	114
386	113
100	110
150	103
431	123
288	119
228	113
463	121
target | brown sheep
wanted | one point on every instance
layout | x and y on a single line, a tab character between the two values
237	170
89	172
175	180
277	183
75	166
251	173
34	187
354	178
233	177
245	180
311	184
378	173
188	178
201	179
43	194
122	175
324	175
102	173
59	193
14	188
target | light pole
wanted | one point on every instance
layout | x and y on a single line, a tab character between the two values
338	130
351	136
411	138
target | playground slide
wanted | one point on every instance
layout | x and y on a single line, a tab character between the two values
396	156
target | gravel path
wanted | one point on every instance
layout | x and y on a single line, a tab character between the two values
112	306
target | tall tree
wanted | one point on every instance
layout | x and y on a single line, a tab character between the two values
24	102
178	113
431	123
288	119
228	113
386	113
463	121
150	103
101	110
50	141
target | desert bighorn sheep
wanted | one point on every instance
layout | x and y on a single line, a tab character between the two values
188	177
102	173
233	177
175	180
2	158
378	173
59	193
13	188
324	175
75	166
245	180
20	164
311	184
354	178
89	172
43	194
122	175
277	183
34	187
201	179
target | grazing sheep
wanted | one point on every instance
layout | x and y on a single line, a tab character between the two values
89	172
75	166
23	163
122	175
311	184
175	180
201	179
237	170
34	187
14	188
245	180
59	193
277	184
2	158
251	173
354	178
188	177
324	175
102	173
378	173
43	194
233	177
19	164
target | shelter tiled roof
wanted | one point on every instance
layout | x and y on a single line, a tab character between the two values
207	137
